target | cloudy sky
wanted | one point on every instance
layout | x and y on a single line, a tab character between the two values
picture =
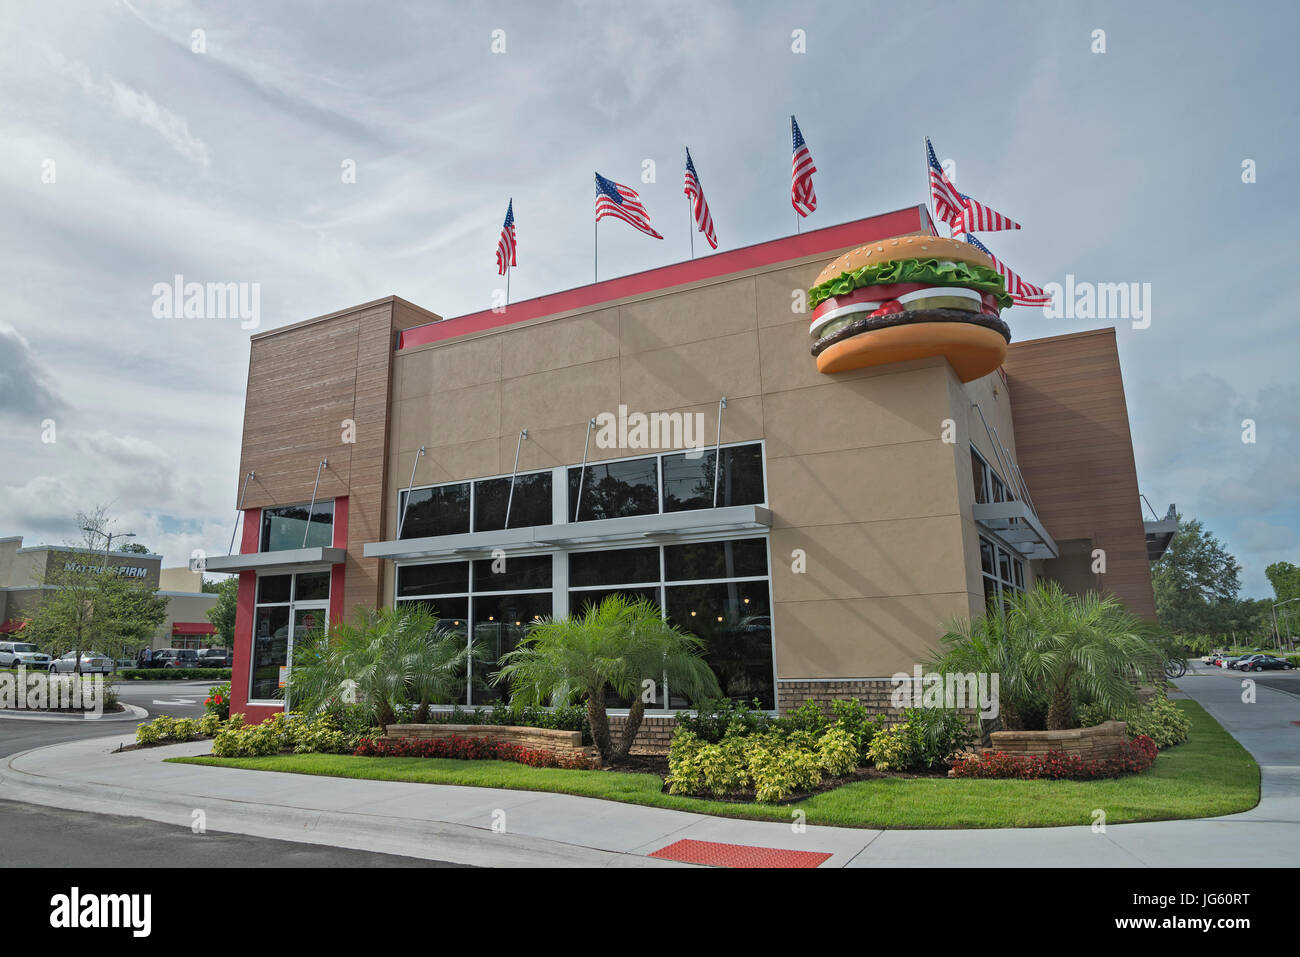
130	157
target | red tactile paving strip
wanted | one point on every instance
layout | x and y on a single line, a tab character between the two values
737	855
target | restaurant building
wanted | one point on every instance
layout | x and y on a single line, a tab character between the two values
25	570
667	434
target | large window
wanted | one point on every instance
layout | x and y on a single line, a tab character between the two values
283	527
492	600
671	482
614	489
286	606
688	482
647	485
718	591
479	506
989	486
1003	572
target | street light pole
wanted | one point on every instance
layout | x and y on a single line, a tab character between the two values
108	545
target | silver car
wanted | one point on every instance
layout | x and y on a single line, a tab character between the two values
92	663
15	653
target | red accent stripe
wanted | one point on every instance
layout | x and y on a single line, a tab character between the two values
193	628
811	243
714	854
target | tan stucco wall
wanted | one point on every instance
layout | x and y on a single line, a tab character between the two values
858	475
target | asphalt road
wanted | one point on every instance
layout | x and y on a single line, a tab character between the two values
35	836
180	699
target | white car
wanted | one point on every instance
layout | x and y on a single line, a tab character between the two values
92	663
15	653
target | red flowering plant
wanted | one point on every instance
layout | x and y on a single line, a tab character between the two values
218	701
1136	756
469	749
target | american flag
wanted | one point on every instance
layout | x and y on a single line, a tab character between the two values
506	244
947	201
978	218
699	205
622	202
1022	293
802	195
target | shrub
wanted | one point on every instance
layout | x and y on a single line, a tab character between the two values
780	769
1138	755
809	717
218	701
1162	721
173	674
936	735
837	752
853	717
891	749
184	729
715	720
210	724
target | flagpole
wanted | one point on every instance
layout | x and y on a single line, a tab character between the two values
690	225
595	244
507	284
925	154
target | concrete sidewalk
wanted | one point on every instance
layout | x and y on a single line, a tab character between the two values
456	823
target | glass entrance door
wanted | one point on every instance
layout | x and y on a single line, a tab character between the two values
308	618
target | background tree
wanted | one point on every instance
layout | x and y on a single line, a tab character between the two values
134	548
222	614
1285	579
89	606
1196	583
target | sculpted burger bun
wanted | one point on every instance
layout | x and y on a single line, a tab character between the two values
905	247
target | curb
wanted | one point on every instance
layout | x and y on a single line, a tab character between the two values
131	713
431	840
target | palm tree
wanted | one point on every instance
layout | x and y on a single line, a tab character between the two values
991	645
387	658
1086	647
618	643
1052	648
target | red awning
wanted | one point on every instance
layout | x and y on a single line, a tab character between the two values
11	626
193	628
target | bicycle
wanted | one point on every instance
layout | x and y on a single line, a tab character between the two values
1175	667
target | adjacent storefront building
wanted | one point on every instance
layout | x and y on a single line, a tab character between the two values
667	434
24	571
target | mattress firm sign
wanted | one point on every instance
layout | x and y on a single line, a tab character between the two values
123	571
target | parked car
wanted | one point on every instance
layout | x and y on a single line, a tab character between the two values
1265	663
216	658
92	663
15	653
1235	661
175	658
1212	657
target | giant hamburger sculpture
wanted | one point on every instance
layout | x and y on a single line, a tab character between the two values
911	297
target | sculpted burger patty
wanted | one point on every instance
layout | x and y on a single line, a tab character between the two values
870	323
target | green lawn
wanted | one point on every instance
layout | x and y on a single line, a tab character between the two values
1209	775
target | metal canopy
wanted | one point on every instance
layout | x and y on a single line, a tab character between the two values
288	560
607	531
1160	533
1017	524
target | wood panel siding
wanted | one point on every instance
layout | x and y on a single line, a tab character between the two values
305	383
1076	452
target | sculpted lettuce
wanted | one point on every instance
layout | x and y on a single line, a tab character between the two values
933	272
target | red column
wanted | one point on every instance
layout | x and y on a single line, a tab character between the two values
239	673
337	611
